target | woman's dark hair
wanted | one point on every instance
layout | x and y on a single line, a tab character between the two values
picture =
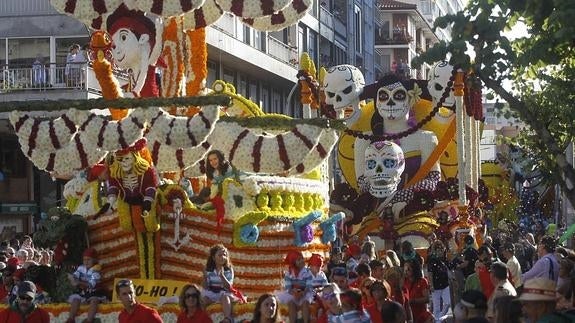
182	299
548	243
223	164
258	314
392	312
211	264
416	269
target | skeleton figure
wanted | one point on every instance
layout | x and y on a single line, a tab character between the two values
393	102
384	164
342	86
439	76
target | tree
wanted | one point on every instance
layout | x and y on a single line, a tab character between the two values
540	65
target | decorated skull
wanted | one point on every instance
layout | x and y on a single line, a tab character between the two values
342	86
392	101
384	164
438	78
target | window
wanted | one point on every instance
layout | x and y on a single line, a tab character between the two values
247	34
301	39
312	45
230	76
12	161
358	30
2	51
23	51
63	47
213	74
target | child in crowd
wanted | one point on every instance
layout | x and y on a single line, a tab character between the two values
297	282
88	290
352	309
218	281
318	277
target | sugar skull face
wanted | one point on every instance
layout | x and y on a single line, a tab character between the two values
438	78
342	86
392	101
384	164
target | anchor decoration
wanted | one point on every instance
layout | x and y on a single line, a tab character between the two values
178	241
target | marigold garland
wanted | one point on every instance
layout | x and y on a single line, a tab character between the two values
196	63
172	53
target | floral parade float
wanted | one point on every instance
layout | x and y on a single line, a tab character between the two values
132	174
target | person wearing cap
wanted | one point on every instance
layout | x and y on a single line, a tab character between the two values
331	303
503	287
297	293
133	311
508	252
539	301
339	275
353	253
318	277
473	304
86	278
547	265
24	309
352	309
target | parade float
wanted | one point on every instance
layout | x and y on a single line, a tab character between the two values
132	173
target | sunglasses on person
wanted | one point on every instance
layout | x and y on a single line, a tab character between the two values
25	298
124	283
328	296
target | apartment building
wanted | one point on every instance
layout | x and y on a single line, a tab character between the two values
34	43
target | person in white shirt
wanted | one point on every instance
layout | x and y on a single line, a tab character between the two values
503	287
508	252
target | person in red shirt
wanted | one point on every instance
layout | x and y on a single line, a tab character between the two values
7	283
23	309
191	308
418	288
133	311
380	292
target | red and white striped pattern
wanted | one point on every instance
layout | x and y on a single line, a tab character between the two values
253	8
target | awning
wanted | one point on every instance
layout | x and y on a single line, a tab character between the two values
41	26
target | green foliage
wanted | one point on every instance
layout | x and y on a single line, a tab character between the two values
540	63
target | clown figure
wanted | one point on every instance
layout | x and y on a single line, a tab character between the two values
137	45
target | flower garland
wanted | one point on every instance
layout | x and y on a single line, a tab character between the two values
281	19
164	8
245	148
182	132
196	62
318	155
253	8
168	159
204	16
172	54
50	135
124	217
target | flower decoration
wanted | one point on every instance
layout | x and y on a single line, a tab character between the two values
169	159
318	155
236	201
281	19
303	230
183	132
253	8
246	232
328	227
204	16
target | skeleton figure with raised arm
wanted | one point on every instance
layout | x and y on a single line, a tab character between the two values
394	99
343	85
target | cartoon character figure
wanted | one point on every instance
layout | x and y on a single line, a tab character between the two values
137	44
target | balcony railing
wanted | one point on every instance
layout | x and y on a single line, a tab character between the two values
50	77
227	24
398	39
326	17
283	52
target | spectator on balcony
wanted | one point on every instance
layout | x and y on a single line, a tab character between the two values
400	67
71	71
404	68
39	71
394	67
